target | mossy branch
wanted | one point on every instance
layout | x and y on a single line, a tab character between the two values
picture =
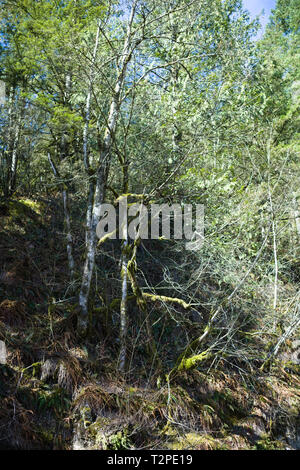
136	196
185	363
193	361
163	298
106	237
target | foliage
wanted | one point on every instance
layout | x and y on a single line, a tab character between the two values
161	102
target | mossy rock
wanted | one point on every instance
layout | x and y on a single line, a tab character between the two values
104	434
117	441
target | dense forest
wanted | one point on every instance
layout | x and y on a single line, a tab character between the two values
119	342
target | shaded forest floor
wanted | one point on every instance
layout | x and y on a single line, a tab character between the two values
59	393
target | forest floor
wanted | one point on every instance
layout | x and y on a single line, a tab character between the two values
59	393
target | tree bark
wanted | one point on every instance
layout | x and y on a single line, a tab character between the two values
67	221
14	159
86	161
296	214
123	307
101	179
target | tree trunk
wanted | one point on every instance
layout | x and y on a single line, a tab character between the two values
123	307
67	221
86	161
124	278
296	214
14	159
101	179
68	233
88	103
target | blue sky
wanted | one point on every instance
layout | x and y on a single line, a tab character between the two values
256	6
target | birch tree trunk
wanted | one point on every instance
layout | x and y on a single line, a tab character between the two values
13	137
101	179
176	133
273	224
296	214
123	306
14	158
124	275
86	161
8	151
88	102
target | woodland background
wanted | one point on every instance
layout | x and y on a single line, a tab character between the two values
121	344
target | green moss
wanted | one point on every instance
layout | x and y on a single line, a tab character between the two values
46	436
119	441
86	418
98	426
163	298
24	208
190	362
53	400
99	432
193	440
267	443
35	206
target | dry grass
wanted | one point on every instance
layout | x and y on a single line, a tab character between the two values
13	313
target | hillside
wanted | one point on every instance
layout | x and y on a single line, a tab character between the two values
60	393
149	226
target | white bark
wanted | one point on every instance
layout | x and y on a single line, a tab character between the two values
293	327
296	214
275	297
102	173
85	137
13	143
123	307
14	158
88	102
